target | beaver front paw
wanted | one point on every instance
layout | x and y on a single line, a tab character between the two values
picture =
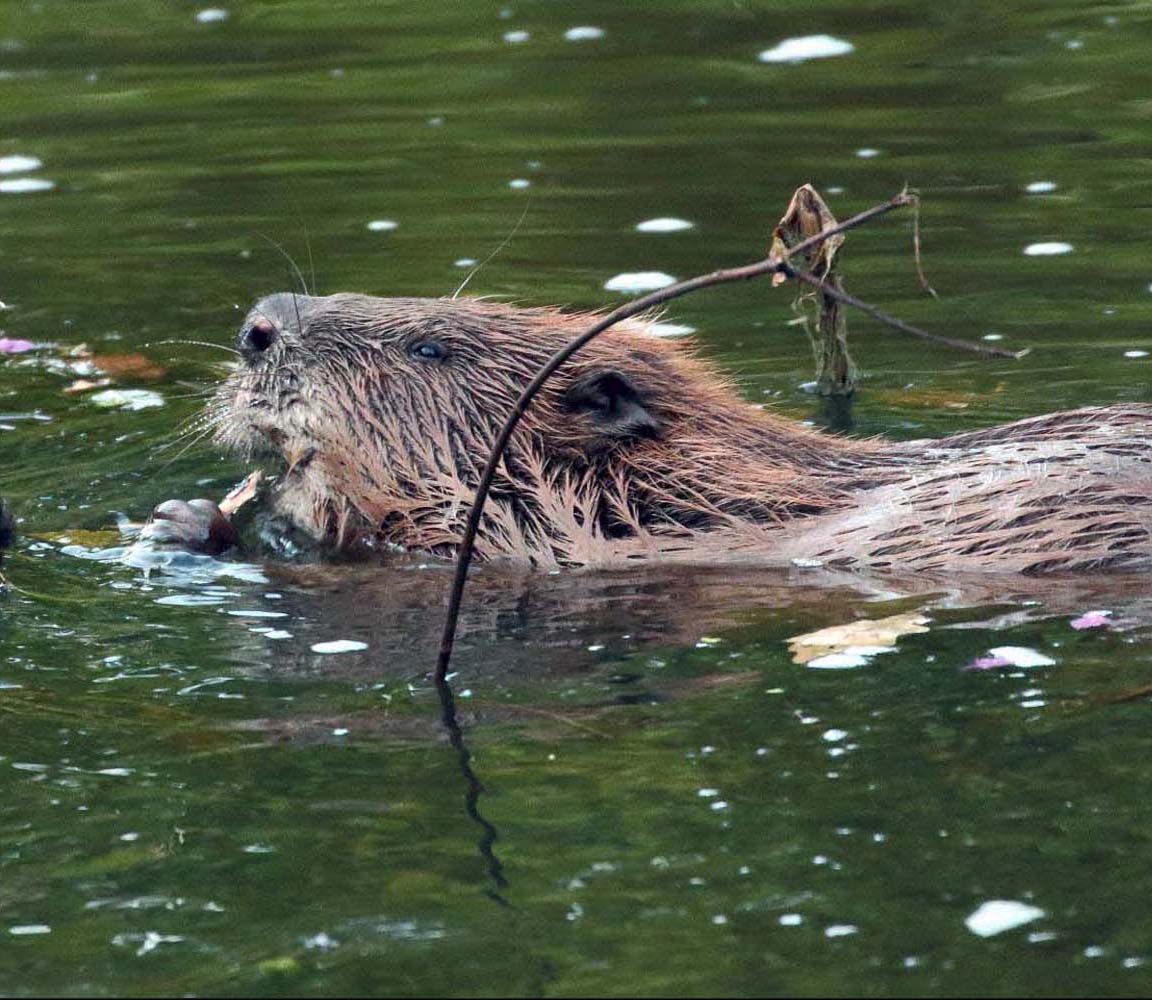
194	525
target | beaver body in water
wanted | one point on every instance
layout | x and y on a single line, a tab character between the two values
384	410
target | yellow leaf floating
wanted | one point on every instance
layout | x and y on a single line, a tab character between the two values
861	639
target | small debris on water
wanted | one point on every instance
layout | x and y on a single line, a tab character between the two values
999	915
841	930
127	399
867	153
10	345
631	282
516	37
382	225
26	930
211	15
664	224
1135	354
1053	249
466	262
339	646
1092	619
798	50
583	33
19	164
1041	187
26	185
520	183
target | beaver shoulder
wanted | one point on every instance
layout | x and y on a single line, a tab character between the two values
385	409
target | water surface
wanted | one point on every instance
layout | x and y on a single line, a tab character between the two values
195	801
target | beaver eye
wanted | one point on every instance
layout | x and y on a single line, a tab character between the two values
428	350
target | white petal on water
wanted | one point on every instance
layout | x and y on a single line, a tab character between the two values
999	915
516	37
19	164
190	600
257	613
668	329
211	15
1052	249
664	225
339	646
383	225
583	33
1041	187
1022	656
25	185
838	661
127	399
639	281
796	50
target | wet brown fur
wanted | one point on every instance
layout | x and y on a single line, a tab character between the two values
639	450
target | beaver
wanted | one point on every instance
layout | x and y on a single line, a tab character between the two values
385	408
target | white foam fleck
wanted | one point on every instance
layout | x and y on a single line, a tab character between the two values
583	33
1052	249
520	183
516	37
466	262
841	930
211	15
797	50
339	646
383	225
1041	187
1135	354
639	281
999	915
25	930
867	153
26	185
664	224
19	164
790	920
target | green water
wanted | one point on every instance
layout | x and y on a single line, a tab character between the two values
190	805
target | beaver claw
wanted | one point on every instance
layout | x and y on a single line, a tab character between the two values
195	525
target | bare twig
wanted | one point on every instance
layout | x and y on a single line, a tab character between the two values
773	264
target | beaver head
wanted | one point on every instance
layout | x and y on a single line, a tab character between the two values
385	410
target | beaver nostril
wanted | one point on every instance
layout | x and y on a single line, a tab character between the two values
258	337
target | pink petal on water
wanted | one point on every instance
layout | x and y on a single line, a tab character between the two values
9	346
1092	619
989	663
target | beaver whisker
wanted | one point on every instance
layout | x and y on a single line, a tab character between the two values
194	343
288	257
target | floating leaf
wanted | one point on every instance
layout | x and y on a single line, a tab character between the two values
864	638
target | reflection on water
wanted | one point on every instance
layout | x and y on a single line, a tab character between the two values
239	778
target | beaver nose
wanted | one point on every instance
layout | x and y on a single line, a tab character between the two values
257	337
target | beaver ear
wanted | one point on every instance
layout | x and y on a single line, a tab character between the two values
614	405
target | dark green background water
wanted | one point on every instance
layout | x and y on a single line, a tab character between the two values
193	807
